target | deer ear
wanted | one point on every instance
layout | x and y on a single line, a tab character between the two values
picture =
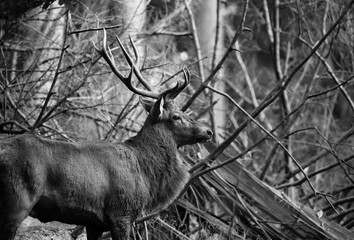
155	109
147	103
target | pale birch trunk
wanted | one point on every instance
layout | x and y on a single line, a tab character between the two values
206	23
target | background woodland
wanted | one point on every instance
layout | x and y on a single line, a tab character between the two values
273	79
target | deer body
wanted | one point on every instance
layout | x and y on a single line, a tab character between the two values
67	182
102	186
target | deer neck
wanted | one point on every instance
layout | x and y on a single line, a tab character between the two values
156	135
159	160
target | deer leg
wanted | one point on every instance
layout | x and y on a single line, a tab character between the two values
92	233
9	222
120	228
14	208
78	230
8	233
7	229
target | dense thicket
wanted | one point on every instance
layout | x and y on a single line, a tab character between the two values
282	70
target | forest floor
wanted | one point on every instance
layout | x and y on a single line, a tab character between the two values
32	229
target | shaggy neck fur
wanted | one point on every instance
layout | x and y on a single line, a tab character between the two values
160	162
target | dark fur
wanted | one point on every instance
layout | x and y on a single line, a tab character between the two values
103	186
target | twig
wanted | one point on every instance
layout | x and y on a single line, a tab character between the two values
278	70
274	94
121	116
331	89
268	21
172	229
343	214
268	161
251	214
213	114
271	97
249	83
300	181
264	130
95	29
196	40
50	92
83	82
332	194
168	33
338	202
333	76
217	34
4	124
325	15
340	162
239	30
296	111
315	158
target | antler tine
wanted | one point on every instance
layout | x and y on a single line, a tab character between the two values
134	66
187	77
107	55
173	92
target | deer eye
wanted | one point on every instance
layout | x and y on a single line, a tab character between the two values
176	117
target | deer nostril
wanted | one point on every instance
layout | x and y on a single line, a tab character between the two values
209	132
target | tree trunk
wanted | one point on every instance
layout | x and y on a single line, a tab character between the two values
206	19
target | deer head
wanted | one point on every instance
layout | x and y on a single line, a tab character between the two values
163	111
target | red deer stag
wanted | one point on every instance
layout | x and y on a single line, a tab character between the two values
103	186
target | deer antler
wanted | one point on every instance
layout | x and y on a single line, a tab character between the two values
106	53
173	92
